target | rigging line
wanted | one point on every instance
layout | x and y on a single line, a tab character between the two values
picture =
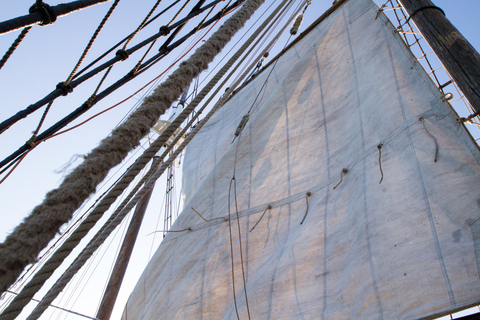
57	307
123	40
90	43
80	110
167	231
31	142
207	220
157	79
163	49
16	165
231	250
268	76
142	24
268	32
14	46
62	90
233	47
240	243
178	13
431	136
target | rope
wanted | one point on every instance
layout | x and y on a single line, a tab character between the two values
59	308
178	13
431	136
31	142
207	220
306	212
269	207
90	43
231	251
61	90
344	172
14	46
194	66
380	161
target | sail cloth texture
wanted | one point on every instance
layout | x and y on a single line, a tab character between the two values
399	249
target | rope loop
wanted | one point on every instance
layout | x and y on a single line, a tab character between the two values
122	54
66	88
48	14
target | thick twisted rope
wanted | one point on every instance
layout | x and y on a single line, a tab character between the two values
26	241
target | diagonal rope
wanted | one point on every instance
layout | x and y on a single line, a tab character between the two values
14	46
18	250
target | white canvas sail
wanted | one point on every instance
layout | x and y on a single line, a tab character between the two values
364	223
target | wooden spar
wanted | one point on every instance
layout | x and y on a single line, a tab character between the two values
458	56
115	282
36	17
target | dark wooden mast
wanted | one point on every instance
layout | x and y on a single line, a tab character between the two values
115	282
458	56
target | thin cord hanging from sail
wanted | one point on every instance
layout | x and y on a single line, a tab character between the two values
93	100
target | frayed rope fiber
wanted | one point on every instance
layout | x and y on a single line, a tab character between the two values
24	244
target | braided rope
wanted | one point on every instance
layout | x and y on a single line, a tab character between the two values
142	24
230	28
90	43
14	46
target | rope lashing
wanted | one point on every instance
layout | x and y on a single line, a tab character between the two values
296	25
431	136
423	8
344	172
164	30
269	207
208	220
380	161
48	14
309	194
